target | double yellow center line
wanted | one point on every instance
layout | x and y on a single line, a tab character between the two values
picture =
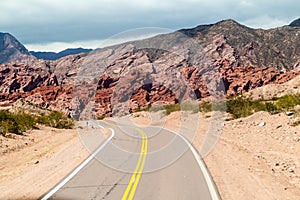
135	178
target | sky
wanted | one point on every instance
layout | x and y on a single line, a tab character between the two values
54	25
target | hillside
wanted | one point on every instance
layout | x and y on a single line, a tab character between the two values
12	50
208	60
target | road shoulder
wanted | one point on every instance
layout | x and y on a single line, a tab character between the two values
33	168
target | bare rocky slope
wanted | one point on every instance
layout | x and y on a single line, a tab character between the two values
12	50
208	60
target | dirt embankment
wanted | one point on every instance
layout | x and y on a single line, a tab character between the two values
34	163
256	157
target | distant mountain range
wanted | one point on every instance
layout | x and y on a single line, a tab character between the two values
55	56
295	23
12	50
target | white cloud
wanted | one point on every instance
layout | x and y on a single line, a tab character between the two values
130	35
265	22
61	11
59	46
40	21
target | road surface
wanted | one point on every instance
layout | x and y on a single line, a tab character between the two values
139	163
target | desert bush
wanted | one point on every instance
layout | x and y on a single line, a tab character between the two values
189	106
242	107
24	121
287	102
156	108
205	107
56	120
4	115
15	122
237	106
7	127
140	109
271	108
101	117
171	108
296	123
20	122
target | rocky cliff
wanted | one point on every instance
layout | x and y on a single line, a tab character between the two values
225	58
12	50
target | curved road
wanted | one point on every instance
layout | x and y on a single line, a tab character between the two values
139	163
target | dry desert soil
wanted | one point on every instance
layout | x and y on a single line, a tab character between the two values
249	161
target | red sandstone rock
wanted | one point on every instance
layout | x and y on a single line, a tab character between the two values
126	78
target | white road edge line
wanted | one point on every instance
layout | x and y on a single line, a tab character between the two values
211	186
82	165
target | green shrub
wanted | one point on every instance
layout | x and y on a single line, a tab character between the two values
189	106
101	117
219	106
213	106
271	108
156	108
56	120
205	107
242	107
16	122
167	108
287	102
238	106
8	127
171	108
24	121
140	109
296	123
4	115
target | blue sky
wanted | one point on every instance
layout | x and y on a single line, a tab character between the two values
58	24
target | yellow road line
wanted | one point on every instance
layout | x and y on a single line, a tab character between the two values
141	168
108	123
132	179
135	178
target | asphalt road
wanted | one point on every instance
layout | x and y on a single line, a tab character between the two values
139	163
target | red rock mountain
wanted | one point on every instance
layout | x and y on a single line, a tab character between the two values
209	60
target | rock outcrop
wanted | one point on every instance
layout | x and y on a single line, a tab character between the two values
12	50
212	60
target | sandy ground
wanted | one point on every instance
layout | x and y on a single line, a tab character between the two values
257	162
257	157
34	163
